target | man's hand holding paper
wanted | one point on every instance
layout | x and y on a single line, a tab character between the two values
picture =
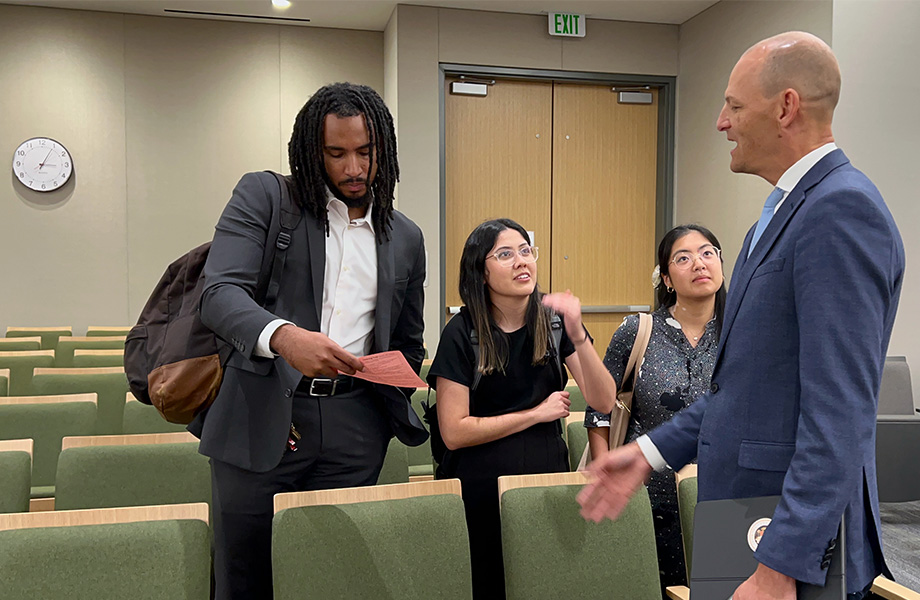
389	368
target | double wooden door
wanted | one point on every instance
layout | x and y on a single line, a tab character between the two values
573	166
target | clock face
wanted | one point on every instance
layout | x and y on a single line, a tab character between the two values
42	164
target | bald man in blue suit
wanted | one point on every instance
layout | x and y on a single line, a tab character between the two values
813	297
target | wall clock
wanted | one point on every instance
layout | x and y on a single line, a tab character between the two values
42	164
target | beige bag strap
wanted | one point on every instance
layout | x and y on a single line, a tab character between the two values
636	357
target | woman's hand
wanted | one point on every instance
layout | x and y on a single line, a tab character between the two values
569	306
556	406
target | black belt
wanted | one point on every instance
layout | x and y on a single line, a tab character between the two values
326	386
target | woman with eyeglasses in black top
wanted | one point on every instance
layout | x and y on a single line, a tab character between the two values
510	423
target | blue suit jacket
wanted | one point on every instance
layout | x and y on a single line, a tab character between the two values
794	393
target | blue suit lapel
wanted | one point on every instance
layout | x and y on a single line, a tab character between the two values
385	285
745	267
732	301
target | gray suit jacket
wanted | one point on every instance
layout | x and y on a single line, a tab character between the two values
248	424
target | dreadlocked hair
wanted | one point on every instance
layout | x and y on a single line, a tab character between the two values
305	151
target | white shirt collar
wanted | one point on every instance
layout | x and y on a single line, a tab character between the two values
794	174
340	208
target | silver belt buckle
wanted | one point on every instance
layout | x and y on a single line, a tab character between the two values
326	386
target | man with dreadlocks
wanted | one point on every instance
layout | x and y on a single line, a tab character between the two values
288	416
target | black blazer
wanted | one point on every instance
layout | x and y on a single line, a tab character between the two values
248	424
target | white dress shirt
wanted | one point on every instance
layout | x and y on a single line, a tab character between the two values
349	283
787	183
794	174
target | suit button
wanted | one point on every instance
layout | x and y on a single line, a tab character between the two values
714	388
288	393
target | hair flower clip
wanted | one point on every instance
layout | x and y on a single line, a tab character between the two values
656	276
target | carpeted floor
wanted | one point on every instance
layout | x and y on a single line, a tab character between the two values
901	541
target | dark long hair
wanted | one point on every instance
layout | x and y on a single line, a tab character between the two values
305	150
493	342
669	298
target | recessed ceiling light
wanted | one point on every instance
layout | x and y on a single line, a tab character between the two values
281	3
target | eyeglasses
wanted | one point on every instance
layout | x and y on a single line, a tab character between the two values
684	260
505	256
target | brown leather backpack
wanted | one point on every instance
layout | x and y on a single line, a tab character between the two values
172	360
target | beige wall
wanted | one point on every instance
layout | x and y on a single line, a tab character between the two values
706	191
62	76
425	37
162	116
878	126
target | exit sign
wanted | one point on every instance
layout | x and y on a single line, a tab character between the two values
566	24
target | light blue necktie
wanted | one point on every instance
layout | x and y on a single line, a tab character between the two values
772	200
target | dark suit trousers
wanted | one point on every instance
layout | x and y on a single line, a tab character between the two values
344	441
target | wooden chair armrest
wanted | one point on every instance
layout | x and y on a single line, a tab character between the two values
678	592
890	590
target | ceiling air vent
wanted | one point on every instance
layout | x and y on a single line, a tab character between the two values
203	13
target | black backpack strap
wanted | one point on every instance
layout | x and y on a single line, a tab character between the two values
477	374
474	341
290	217
556	328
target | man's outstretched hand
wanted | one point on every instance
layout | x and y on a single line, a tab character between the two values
617	475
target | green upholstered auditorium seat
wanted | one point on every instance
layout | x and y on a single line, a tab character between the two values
16	475
131	470
98	358
46	419
48	335
63	354
143	418
97	331
576	437
420	456
406	541
4	382
550	550
110	383
395	465
146	552
686	502
20	364
423	372
20	343
576	397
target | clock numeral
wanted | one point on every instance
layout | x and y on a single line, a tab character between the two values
66	165
42	142
55	184
21	153
43	186
18	163
22	175
63	154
